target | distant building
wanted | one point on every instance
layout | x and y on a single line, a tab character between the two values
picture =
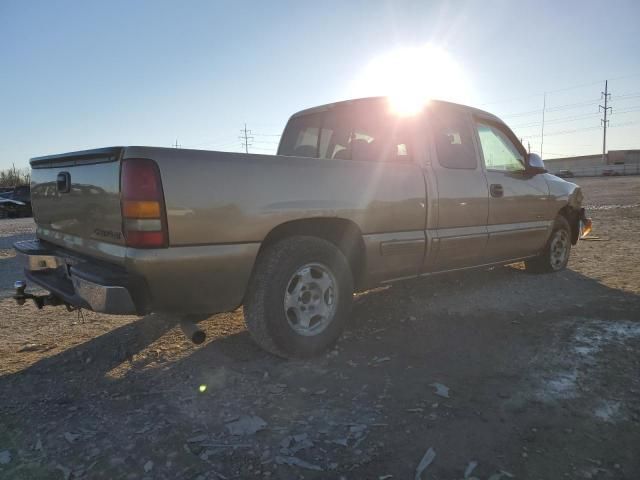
591	162
623	157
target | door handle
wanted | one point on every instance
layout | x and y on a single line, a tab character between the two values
496	190
63	182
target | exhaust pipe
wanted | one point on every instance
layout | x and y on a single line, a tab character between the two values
192	331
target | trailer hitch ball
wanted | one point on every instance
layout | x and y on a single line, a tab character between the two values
20	286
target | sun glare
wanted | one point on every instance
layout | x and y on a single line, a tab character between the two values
411	76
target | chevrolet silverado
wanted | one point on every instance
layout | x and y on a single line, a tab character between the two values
356	196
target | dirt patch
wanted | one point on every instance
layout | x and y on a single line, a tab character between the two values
512	374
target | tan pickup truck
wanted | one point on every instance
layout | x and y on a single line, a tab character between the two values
356	196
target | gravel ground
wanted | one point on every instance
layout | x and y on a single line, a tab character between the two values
502	374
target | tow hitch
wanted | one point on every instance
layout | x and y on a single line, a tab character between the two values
39	300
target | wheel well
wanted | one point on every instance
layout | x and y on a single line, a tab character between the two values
573	217
344	234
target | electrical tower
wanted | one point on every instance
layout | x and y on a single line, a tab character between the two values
245	138
176	145
604	120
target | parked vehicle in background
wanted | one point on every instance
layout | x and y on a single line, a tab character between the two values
565	174
16	202
356	196
610	172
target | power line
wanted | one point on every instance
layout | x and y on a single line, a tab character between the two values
604	121
245	138
571	87
567	106
566	132
572	118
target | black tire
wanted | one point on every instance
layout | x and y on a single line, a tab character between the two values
549	260
267	320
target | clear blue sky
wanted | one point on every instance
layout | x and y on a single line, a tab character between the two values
84	74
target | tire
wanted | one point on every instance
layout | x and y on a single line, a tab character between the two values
299	297
555	255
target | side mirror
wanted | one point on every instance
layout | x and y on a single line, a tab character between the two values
535	164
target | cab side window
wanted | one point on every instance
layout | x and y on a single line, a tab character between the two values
335	139
499	152
377	136
361	132
301	137
453	139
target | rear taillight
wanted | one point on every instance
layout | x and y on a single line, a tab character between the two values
142	203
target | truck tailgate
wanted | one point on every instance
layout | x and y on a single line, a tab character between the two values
76	202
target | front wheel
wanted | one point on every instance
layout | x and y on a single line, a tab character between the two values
555	255
299	297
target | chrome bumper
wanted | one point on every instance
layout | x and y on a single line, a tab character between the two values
65	278
104	298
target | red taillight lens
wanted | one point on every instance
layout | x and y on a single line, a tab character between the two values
142	204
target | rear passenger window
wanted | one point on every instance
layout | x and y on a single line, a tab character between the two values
335	140
453	138
301	136
356	132
377	136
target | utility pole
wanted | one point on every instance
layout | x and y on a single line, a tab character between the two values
245	137
176	145
544	107
604	120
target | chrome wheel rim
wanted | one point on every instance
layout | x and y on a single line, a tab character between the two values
559	249
310	299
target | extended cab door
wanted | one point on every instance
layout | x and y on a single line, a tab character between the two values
462	201
519	220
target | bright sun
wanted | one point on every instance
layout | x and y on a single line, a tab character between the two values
411	76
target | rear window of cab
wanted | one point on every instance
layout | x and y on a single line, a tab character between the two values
359	132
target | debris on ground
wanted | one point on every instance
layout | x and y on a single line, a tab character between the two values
71	437
295	443
275	389
470	468
148	466
66	472
500	475
378	360
441	389
428	457
297	462
246	425
5	457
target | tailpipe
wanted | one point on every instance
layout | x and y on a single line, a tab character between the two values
192	331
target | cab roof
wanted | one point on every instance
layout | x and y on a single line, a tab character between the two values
373	100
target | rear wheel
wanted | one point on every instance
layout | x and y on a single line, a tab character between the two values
555	255
299	297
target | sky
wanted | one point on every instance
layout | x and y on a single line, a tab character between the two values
84	74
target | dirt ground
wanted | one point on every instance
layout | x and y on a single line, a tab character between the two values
501	373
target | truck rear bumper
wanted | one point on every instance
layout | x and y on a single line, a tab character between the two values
198	279
95	286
